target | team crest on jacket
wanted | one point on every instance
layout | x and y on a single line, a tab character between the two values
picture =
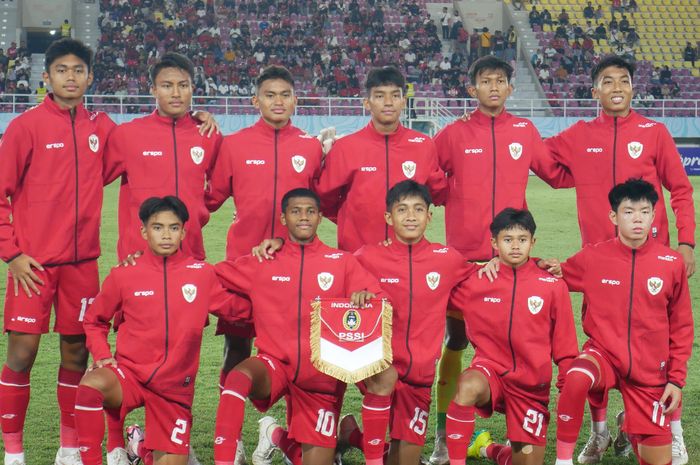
409	168
94	143
654	285
635	149
535	303
516	150
197	154
299	163
433	280
325	280
189	292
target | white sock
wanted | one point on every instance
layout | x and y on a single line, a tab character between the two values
600	427
676	428
564	462
69	450
9	458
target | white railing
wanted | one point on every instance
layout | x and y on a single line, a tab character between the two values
437	110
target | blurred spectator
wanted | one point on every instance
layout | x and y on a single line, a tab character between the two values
656	75
512	43
599	13
445	23
582	92
665	91
632	7
624	24
665	75
588	11
534	17
66	28
499	44
561	74
544	76
474	44
456	26
563	17
632	38
690	54
484	42
615	6
518	4
600	33
612	25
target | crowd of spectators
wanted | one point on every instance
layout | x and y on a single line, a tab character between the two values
15	70
328	43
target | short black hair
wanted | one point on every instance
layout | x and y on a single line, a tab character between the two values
63	47
608	61
300	192
169	203
386	75
274	72
634	189
510	218
407	188
171	60
491	63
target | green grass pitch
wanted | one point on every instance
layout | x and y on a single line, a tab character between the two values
557	236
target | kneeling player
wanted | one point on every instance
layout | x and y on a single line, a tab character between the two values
518	324
281	291
640	326
161	306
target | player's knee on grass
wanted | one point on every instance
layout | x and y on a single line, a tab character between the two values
652	450
255	369
74	352
21	351
472	389
236	350
527	454
315	455
382	383
455	334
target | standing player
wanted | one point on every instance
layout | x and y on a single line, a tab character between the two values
164	153
620	144
160	306
518	324
640	326
50	203
256	166
487	157
281	292
418	277
361	167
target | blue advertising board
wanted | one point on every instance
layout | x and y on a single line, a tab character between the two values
691	160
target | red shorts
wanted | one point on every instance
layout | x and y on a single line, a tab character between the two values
643	412
312	416
167	423
71	289
527	413
410	408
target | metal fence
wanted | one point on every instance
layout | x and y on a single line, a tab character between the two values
420	107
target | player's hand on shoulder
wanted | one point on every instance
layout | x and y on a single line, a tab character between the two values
688	254
105	362
490	270
23	275
361	298
267	248
671	398
386	242
551	265
131	259
208	123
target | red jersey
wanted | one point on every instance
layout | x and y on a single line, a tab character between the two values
50	166
418	280
520	323
487	160
636	308
609	150
160	306
362	167
257	166
157	156
282	290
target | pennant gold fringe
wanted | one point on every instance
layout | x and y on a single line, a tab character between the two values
338	372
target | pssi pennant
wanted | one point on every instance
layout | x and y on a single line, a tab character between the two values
350	343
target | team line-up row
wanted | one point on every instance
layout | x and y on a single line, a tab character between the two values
377	185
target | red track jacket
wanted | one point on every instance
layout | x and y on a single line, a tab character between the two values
160	306
257	166
418	280
487	161
636	308
362	167
158	156
609	150
282	291
520	323
50	166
